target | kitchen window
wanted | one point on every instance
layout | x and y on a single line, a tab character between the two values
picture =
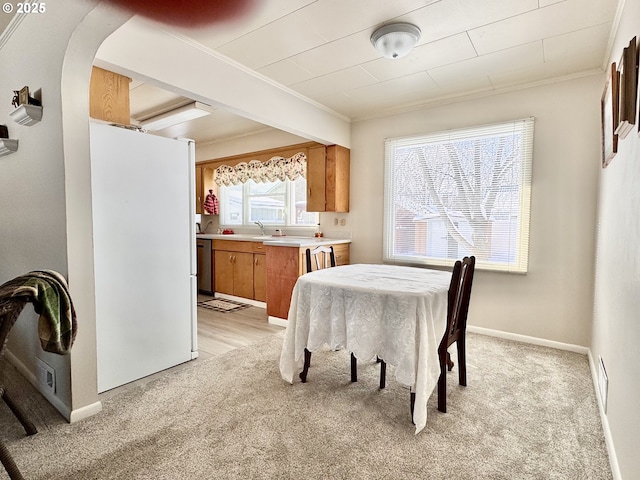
460	192
277	203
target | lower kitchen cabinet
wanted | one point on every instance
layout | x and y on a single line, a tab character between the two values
260	277
284	266
240	269
234	273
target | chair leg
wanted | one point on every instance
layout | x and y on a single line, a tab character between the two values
307	363
354	368
462	362
412	404
383	374
442	390
22	418
9	465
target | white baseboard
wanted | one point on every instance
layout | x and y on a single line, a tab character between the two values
608	438
526	339
281	322
613	459
85	412
59	405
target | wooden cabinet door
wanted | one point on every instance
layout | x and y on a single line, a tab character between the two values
199	197
316	179
109	96
204	183
260	277
337	179
341	251
328	179
243	274
223	261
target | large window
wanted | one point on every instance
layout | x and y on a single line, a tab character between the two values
278	203
460	192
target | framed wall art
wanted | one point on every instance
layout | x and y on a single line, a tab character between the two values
609	116
628	89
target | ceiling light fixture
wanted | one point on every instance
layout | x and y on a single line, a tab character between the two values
176	116
396	39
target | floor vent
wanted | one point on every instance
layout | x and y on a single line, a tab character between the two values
603	384
46	376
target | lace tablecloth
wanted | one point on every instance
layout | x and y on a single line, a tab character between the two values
397	313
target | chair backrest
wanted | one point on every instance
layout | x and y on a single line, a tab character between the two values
320	257
459	297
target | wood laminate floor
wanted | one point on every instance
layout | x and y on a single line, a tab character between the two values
218	332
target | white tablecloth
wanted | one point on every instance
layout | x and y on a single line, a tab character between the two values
397	313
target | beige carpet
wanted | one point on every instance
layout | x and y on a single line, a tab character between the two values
528	413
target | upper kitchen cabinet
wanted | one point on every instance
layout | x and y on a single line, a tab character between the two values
109	96
204	183
328	179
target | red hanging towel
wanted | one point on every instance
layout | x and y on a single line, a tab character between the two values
211	204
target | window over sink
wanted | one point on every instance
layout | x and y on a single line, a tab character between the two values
277	203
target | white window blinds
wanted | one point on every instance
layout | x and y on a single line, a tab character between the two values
460	192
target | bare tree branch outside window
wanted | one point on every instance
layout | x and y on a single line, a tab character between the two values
459	196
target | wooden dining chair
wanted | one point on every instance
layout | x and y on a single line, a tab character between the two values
320	257
317	259
458	308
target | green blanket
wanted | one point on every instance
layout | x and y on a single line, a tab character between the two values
48	292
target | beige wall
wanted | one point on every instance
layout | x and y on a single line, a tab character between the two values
616	326
32	193
45	194
554	300
264	140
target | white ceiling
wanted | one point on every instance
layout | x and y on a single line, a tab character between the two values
321	49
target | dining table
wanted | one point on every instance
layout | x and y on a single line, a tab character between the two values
394	313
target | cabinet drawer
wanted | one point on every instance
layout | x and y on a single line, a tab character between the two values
233	245
258	247
341	251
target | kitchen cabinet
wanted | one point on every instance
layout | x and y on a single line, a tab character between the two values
204	183
260	277
109	96
328	179
240	269
284	266
234	273
340	250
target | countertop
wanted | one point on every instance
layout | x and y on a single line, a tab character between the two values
284	241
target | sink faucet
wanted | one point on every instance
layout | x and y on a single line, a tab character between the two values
261	228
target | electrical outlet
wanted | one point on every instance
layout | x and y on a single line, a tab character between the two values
46	376
343	221
603	384
335	221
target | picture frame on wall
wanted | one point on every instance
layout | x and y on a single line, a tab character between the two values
609	116
628	89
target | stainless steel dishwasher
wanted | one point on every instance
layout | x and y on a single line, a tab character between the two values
205	266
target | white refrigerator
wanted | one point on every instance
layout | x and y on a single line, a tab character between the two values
144	253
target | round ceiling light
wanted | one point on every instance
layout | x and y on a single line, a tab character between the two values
396	39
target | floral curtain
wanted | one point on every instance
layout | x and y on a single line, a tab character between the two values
276	168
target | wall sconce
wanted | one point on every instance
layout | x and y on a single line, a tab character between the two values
29	109
7	145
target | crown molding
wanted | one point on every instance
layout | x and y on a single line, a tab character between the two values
11	28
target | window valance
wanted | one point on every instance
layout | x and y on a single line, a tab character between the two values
276	168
